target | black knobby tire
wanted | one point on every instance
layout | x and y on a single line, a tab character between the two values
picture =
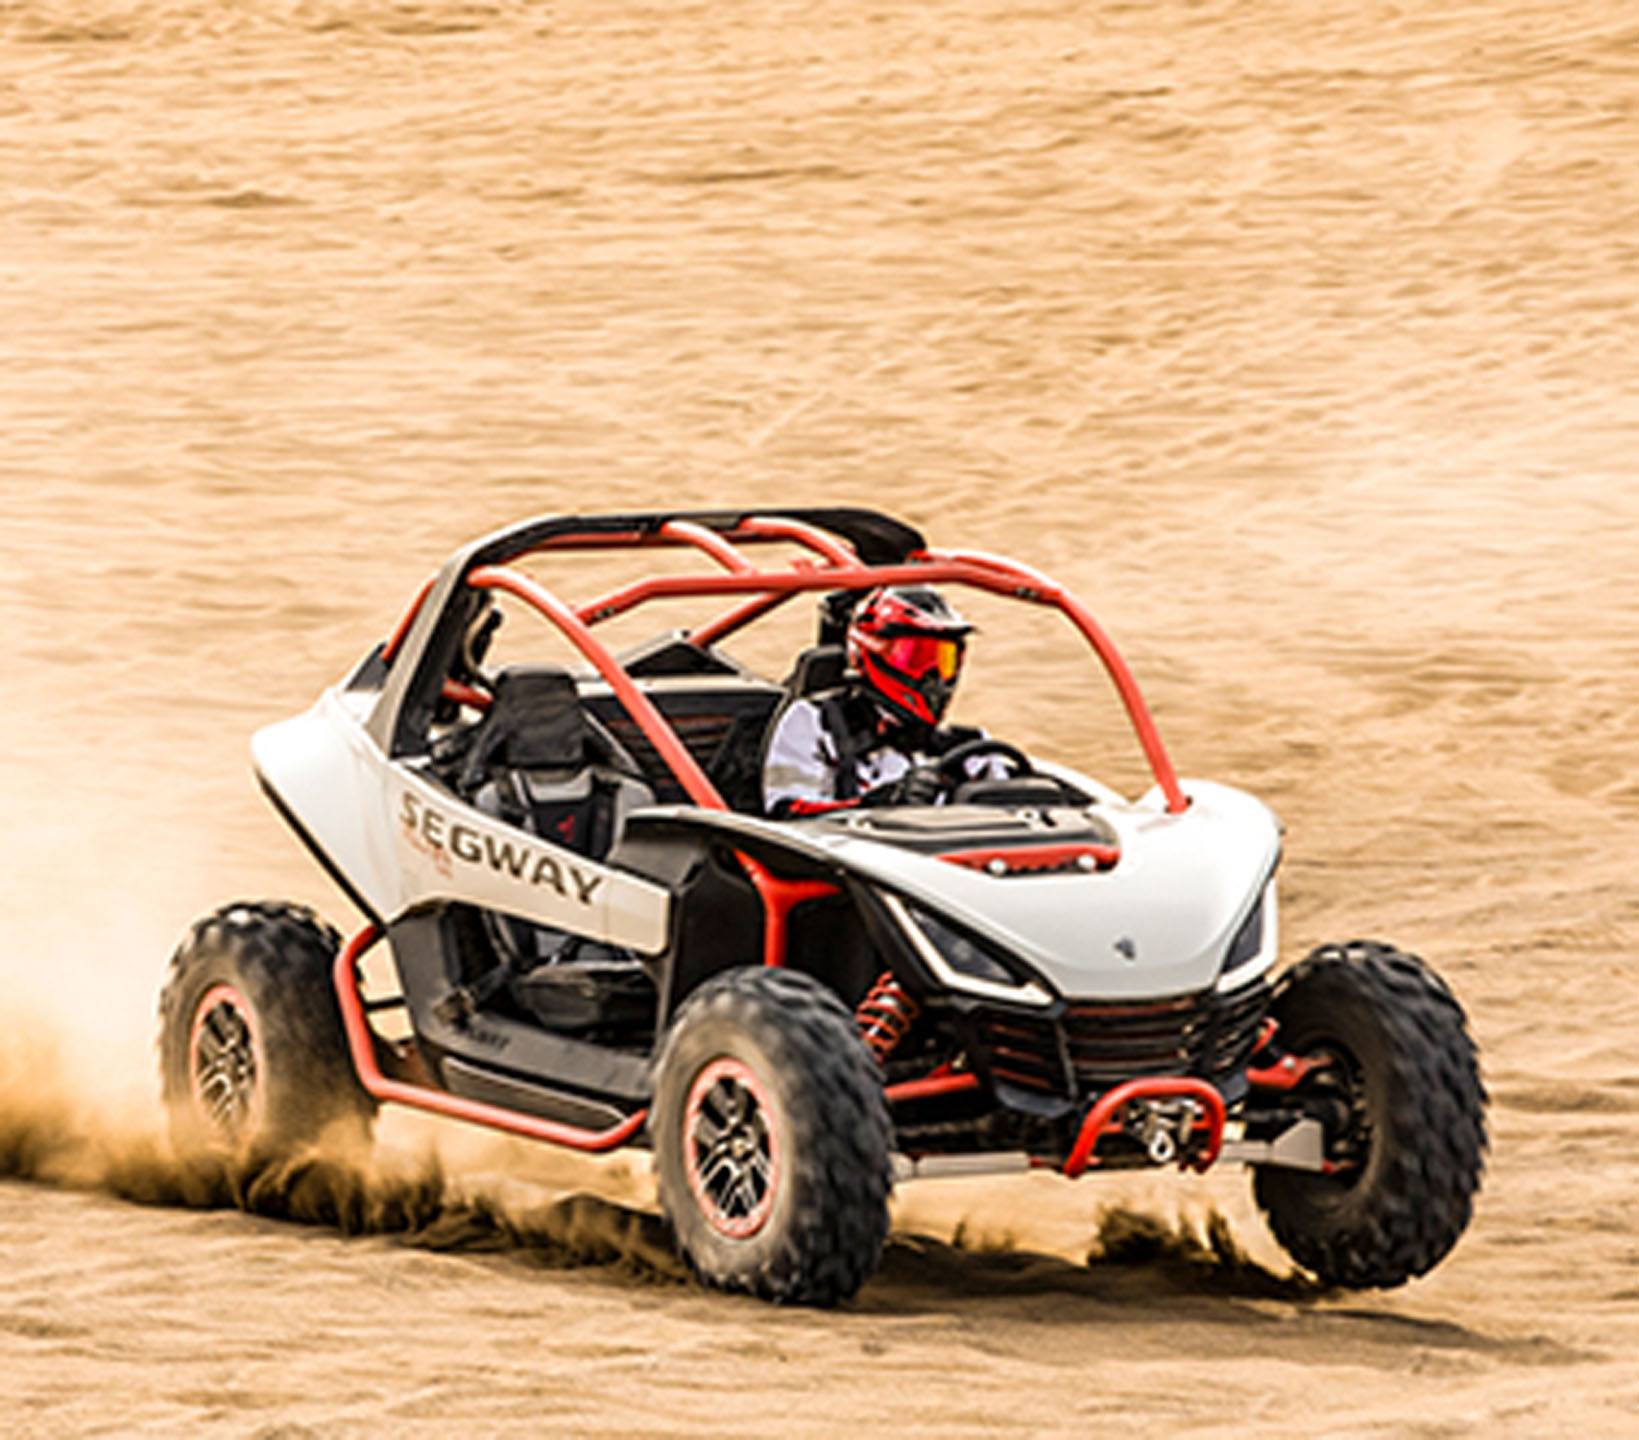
1412	1148
771	1061
252	1054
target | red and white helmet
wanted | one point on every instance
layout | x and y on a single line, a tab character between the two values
907	644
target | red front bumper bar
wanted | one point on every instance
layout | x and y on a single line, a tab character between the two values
1102	1120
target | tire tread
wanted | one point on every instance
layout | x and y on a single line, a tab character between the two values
839	1125
281	954
1421	1199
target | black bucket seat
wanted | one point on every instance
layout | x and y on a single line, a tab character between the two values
540	761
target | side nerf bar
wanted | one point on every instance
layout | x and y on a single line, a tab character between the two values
361	1045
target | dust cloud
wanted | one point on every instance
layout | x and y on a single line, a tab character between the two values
47	1139
1207	1256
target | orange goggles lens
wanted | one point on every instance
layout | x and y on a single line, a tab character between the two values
918	654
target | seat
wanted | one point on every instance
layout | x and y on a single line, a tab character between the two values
819	667
539	760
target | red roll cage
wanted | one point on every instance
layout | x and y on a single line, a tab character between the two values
837	567
830	566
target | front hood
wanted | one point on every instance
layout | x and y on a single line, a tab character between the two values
1157	923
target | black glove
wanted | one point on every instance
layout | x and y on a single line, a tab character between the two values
921	786
948	737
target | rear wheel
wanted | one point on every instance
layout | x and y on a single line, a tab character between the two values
251	1047
1398	1092
772	1139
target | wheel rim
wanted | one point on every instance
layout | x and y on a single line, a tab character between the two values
225	1063
730	1148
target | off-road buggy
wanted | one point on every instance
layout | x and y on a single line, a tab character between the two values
598	939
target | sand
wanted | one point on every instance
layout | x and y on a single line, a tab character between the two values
1299	340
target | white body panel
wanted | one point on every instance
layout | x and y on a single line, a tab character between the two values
1158	924
403	842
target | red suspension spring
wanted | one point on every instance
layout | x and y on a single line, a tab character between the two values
885	1016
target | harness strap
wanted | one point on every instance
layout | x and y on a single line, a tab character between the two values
842	736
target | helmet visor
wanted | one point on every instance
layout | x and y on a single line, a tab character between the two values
917	655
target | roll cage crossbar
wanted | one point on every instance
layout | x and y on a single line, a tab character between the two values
847	550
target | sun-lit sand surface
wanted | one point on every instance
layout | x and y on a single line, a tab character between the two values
1299	340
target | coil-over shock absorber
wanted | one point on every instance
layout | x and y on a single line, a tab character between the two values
885	1016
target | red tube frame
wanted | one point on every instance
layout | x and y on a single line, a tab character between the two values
753	530
638	705
1038	588
361	1045
929	1086
389	646
738	618
779	528
769	588
467	695
711	542
780	897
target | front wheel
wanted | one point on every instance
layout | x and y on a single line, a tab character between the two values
1396	1086
772	1139
252	1053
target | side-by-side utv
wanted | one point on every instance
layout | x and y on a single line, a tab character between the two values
600	938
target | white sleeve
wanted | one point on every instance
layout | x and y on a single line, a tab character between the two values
985	767
802	758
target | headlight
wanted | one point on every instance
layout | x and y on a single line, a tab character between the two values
1252	951
958	960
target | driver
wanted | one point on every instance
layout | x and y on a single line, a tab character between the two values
876	739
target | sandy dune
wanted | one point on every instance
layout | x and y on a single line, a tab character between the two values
1299	339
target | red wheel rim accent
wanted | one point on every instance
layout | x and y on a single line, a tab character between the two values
225	1065
731	1148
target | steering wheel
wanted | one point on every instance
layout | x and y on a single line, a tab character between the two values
953	763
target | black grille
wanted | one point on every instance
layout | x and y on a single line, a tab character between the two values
1204	1034
1232	1033
1112	1043
1023	1050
